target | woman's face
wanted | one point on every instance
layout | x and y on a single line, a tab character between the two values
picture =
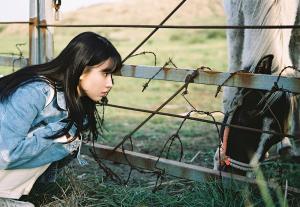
96	81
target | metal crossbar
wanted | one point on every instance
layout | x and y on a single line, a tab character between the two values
13	61
175	168
244	80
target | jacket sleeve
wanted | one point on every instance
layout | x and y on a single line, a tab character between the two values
17	150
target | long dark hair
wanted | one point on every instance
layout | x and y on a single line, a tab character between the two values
63	73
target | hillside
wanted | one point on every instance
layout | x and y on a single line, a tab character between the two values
189	48
139	12
146	12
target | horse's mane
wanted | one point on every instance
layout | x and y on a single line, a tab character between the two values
266	41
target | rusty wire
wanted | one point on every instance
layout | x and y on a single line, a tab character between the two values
189	79
169	62
145	85
160	172
129	163
16	22
172	138
155	30
230	76
168	144
108	171
144	53
222	27
132	167
275	85
20	55
210	114
203	68
201	120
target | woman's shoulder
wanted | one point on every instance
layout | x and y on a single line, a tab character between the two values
34	91
39	85
49	91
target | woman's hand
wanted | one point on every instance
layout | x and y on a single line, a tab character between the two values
65	138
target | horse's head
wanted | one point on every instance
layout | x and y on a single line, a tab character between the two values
242	149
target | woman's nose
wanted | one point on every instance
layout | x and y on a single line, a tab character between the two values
109	81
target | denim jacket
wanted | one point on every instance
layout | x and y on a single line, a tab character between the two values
26	120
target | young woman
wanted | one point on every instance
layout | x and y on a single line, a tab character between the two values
45	108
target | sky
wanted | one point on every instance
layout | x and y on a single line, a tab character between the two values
18	10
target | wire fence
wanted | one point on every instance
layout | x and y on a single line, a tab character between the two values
147	26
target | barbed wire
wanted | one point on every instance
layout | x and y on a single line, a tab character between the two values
154	31
12	54
147	26
18	46
189	79
17	22
145	53
127	137
160	173
169	62
201	120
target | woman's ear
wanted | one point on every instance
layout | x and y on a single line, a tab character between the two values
81	77
85	70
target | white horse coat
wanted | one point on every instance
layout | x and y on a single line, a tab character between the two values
247	47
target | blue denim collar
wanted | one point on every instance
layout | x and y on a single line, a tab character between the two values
61	102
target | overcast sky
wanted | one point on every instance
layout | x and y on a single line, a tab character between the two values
18	10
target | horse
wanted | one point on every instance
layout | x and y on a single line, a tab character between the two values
265	51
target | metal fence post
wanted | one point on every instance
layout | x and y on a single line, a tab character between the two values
40	38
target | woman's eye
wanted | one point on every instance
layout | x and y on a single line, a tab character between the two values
105	74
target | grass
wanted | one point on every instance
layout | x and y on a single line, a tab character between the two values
89	187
